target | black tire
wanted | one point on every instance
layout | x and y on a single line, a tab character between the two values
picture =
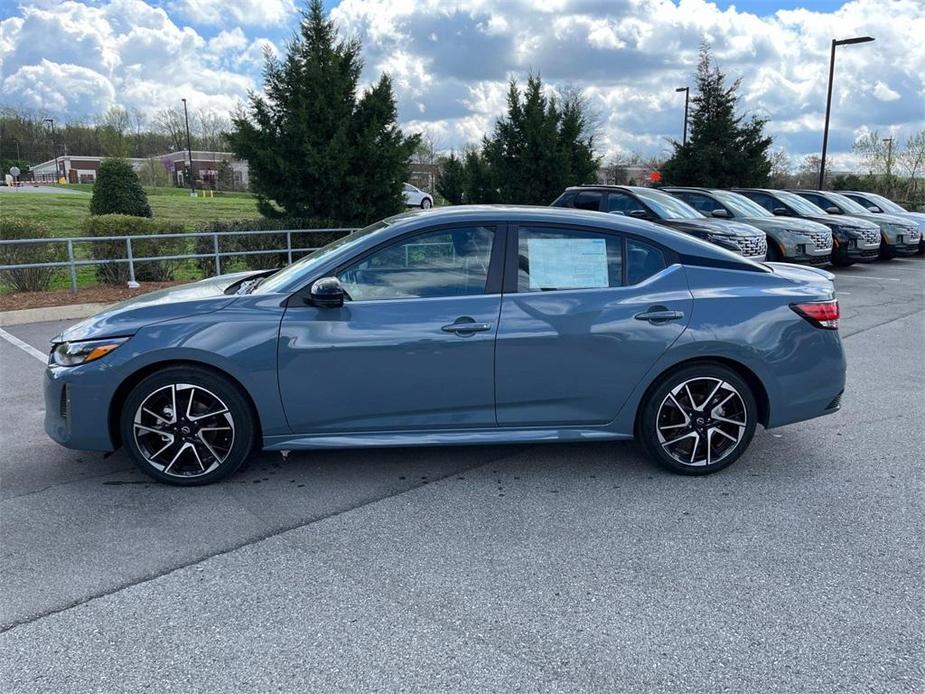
214	403
426	203
774	254
839	260
702	374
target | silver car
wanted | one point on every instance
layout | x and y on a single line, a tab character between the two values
877	204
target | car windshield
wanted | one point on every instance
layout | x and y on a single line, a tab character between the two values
847	204
741	206
800	204
666	206
280	279
883	203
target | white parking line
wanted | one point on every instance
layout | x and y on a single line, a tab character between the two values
873	277
27	348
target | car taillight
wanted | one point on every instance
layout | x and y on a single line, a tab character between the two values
822	314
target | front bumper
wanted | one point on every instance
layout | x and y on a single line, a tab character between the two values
76	410
857	250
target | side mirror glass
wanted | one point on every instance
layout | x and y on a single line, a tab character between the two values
875	209
721	213
780	211
327	293
639	214
831	209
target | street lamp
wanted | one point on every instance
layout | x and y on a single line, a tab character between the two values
828	100
189	151
54	149
687	96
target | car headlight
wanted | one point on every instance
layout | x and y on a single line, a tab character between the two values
76	353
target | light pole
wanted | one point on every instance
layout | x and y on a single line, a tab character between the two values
687	96
189	151
889	163
54	149
828	99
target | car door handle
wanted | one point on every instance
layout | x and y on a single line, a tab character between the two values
469	326
659	314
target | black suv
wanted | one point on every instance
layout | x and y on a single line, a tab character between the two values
854	240
662	208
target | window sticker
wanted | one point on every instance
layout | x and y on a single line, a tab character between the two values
568	263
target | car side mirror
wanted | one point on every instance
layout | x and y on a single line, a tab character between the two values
875	209
780	211
639	214
327	293
721	213
833	210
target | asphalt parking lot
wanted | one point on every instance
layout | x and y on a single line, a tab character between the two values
524	568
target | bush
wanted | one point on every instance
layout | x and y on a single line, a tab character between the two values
264	242
118	191
125	225
28	279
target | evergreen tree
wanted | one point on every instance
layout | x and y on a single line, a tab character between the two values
479	180
117	190
451	182
313	148
535	150
723	149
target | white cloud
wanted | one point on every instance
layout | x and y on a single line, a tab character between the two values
450	60
262	13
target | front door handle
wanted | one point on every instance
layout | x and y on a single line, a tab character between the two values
659	314
466	326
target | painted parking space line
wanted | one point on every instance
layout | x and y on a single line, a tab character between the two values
873	277
25	347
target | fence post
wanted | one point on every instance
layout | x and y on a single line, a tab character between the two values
289	245
218	256
132	284
72	267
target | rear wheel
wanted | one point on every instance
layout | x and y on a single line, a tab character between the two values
698	419
187	426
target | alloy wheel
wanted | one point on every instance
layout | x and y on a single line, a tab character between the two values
183	430
701	421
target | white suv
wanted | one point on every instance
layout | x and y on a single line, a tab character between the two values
415	197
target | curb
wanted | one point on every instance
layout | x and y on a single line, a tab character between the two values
50	313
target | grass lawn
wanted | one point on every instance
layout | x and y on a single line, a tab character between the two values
64	212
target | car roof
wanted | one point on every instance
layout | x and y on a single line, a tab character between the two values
607	186
698	189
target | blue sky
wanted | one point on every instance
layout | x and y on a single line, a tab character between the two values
450	60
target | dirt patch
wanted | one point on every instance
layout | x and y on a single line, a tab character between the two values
88	295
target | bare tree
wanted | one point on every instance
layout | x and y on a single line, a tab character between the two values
781	170
911	161
212	128
113	126
169	122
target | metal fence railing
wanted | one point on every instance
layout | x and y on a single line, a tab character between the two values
215	253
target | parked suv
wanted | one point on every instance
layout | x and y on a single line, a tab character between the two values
667	210
415	197
899	237
792	240
877	204
854	240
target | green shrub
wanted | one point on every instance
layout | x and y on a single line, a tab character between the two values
28	279
118	191
263	242
125	225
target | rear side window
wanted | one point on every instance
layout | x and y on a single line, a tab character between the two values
564	200
588	200
642	261
556	259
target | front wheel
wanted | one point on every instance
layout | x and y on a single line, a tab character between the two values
187	426
426	204
698	419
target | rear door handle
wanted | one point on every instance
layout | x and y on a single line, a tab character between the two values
462	327
659	314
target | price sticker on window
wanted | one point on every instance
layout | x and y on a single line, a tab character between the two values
568	263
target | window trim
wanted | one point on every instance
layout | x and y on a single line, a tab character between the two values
513	247
493	282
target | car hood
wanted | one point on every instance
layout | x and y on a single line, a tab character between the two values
914	217
127	317
717	226
879	219
785	224
841	220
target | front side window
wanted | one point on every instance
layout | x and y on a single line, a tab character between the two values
556	259
588	200
800	204
442	263
763	199
702	203
817	200
621	203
